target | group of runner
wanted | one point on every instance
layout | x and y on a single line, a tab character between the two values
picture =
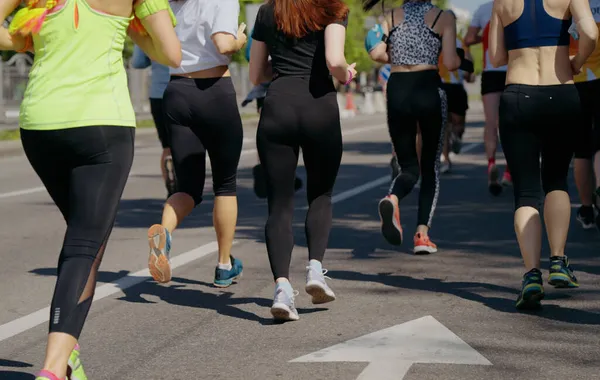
76	125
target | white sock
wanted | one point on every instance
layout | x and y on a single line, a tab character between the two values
225	266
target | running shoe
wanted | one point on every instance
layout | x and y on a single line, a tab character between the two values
284	307
159	259
532	291
260	182
455	143
171	182
75	368
585	217
423	245
446	167
506	178
47	375
317	287
561	274
224	278
389	213
395	167
493	185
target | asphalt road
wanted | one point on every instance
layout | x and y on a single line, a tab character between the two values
450	315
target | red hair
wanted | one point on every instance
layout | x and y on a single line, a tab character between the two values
297	18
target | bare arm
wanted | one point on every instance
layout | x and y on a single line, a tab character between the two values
587	29
161	44
473	37
497	47
380	52
451	58
8	42
260	69
335	38
228	44
227	36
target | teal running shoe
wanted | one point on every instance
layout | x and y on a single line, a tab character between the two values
561	274
532	291
224	278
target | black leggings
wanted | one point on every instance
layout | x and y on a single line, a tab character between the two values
294	116
158	115
84	170
203	116
537	121
415	99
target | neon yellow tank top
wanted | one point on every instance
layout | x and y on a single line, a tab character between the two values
78	76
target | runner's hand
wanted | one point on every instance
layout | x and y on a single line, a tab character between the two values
241	36
352	69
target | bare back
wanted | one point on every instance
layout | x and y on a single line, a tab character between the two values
545	65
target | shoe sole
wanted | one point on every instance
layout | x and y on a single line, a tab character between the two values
389	230
561	281
282	312
531	301
229	283
158	263
424	250
584	225
318	293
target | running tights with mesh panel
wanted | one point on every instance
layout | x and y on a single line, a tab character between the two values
538	121
298	114
415	99
84	170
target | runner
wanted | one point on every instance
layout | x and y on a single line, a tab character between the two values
458	104
203	116
537	107
258	93
493	80
588	84
304	40
376	36
77	129
414	98
160	79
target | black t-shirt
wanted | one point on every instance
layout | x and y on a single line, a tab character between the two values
302	57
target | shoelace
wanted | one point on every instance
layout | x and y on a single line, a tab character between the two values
323	273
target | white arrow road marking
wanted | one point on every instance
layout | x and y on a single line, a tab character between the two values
392	351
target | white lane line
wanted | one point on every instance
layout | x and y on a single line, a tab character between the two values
38	189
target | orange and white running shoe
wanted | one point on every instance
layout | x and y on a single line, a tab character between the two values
389	213
423	244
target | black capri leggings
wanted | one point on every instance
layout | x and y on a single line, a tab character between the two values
535	121
84	170
415	98
158	115
296	115
203	116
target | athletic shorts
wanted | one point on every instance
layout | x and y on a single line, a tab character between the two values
458	100
588	133
493	81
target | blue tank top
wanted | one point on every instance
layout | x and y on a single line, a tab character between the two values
536	28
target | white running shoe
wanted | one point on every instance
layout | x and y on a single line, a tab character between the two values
317	287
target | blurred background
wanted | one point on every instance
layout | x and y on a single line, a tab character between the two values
362	96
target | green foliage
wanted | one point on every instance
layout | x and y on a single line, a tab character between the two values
355	37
